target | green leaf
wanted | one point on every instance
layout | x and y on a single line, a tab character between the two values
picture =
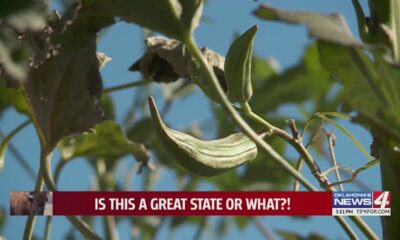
380	11
172	17
11	97
305	81
63	92
330	28
191	13
395	26
238	67
241	221
6	140
369	88
107	104
262	69
205	158
107	142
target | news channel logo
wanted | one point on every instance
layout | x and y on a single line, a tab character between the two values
361	203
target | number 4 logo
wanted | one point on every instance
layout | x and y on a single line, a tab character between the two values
381	199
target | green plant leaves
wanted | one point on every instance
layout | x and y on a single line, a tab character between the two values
205	158
63	94
63	90
370	88
12	97
107	142
171	17
305	81
330	28
238	67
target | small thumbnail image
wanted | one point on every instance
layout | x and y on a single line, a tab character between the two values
31	203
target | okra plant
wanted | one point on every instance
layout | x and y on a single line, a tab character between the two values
50	73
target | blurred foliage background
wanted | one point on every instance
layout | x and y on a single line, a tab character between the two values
293	77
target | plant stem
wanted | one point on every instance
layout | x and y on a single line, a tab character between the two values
108	221
212	79
45	158
330	136
299	164
298	145
347	228
200	228
47	230
6	140
264	229
30	221
126	86
59	167
295	142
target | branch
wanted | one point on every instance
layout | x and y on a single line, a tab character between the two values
331	142
212	79
45	158
126	86
266	232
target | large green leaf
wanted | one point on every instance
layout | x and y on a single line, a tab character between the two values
11	97
63	92
171	17
238	67
205	158
370	89
330	28
107	142
302	82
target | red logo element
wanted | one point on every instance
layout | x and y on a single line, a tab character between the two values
381	199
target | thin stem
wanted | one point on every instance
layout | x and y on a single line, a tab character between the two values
6	139
47	230
22	161
200	228
331	143
30	221
364	227
296	143
347	228
126	86
59	167
45	158
108	221
212	79
299	165
264	229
